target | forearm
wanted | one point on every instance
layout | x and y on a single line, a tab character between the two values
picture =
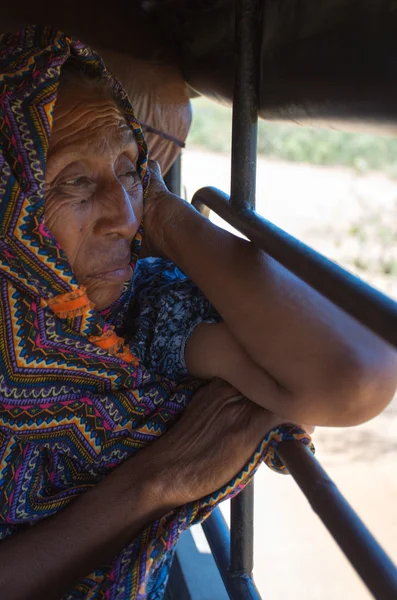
286	327
213	352
45	560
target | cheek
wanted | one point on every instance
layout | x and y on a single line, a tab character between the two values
66	225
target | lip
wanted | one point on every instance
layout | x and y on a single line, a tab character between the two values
118	273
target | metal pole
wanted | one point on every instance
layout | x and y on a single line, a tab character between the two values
242	532
172	178
245	103
243	186
363	302
360	547
239	586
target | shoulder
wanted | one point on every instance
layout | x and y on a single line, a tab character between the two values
166	309
163	291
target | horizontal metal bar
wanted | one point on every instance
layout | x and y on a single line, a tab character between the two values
363	302
360	547
201	208
238	586
242	532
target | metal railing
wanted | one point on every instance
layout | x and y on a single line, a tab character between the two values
233	551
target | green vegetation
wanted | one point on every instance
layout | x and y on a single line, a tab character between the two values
375	237
211	130
369	246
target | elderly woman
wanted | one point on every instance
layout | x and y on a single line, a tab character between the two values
101	352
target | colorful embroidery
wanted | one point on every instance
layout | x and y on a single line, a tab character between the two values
74	400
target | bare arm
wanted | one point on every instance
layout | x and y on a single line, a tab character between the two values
318	356
45	561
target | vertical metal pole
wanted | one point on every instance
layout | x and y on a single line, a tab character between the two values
248	29
242	532
239	587
173	178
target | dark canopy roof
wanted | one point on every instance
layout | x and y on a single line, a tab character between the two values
321	60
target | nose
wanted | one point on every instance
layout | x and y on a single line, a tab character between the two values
120	213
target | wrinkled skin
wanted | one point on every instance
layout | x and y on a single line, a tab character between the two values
94	206
94	196
211	443
152	80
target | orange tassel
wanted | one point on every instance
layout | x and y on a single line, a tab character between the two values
126	355
115	346
71	304
107	341
75	304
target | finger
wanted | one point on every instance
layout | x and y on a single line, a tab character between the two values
157	184
154	168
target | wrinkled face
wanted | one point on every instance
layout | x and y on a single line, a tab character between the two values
94	196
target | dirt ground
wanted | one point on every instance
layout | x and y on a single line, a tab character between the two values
352	218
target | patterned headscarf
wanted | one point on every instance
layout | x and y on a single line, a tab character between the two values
74	402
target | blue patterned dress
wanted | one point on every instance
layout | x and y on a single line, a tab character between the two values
167	308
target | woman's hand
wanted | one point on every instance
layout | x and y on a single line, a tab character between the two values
160	207
211	443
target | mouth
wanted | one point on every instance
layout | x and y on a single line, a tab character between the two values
115	274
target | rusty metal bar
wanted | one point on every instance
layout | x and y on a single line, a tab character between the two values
363	302
360	547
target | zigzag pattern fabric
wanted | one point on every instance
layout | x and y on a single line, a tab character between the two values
71	410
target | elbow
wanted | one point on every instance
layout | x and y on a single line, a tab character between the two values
362	388
375	387
349	390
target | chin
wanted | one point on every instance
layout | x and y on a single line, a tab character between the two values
103	299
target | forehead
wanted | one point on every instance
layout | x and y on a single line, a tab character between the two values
88	120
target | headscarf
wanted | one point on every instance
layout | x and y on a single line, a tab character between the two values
74	402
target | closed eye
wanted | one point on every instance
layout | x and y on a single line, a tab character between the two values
80	180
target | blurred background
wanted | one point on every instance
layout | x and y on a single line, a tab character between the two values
336	192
